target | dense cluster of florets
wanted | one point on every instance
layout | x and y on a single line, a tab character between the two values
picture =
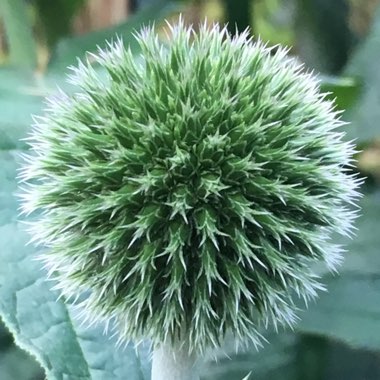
188	192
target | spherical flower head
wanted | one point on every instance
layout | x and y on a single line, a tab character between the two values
189	192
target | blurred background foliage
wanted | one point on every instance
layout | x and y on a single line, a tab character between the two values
339	336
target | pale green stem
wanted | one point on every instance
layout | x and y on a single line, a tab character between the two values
174	363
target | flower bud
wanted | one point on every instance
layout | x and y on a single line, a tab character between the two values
189	193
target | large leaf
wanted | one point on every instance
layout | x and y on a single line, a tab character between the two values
21	96
18	29
365	65
275	361
350	310
17	365
69	49
42	325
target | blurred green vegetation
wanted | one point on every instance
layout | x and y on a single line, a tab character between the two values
339	336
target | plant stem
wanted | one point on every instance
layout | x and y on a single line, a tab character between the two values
174	363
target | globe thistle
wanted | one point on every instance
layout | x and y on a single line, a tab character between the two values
189	193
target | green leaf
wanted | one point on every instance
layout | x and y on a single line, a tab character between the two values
350	310
364	64
41	325
22	95
69	49
275	361
19	33
16	364
19	98
344	90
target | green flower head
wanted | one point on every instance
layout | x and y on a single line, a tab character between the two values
188	193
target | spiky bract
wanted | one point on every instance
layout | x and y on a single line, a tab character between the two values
190	191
